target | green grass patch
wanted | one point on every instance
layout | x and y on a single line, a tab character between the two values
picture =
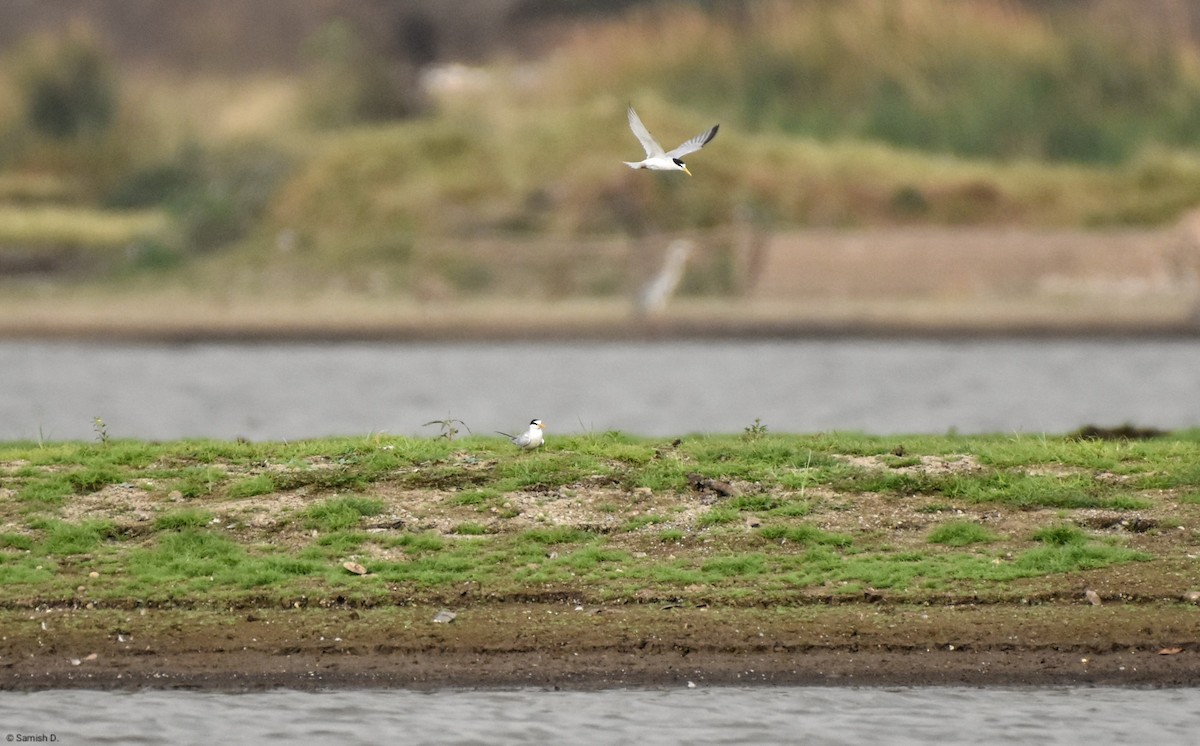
804	534
342	542
197	561
260	484
717	517
423	542
735	565
322	480
555	535
48	490
545	471
341	512
181	519
754	503
16	541
910	570
199	481
458	565
591	557
1073	557
1000	487
95	478
64	539
477	497
1061	535
961	534
792	509
641	521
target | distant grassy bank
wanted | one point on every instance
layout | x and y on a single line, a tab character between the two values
834	115
731	521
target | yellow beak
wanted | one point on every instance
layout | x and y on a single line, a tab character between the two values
689	173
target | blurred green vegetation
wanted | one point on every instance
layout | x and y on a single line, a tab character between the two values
69	86
976	79
834	114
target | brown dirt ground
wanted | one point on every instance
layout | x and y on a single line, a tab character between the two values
575	646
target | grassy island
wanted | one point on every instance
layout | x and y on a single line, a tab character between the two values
601	559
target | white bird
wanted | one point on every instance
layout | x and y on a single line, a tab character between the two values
656	159
530	439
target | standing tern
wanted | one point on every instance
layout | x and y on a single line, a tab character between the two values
530	439
656	159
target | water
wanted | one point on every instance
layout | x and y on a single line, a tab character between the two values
756	716
292	391
53	390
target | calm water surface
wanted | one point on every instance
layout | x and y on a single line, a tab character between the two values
53	390
623	716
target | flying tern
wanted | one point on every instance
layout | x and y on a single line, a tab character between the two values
530	439
658	160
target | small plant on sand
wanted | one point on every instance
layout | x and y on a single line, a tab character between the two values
755	431
449	427
101	430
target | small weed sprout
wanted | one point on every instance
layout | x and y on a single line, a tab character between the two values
449	427
807	471
101	430
757	431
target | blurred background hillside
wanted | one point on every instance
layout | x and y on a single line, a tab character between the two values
392	165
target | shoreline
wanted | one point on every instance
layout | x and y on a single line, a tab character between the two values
453	332
159	317
565	646
593	672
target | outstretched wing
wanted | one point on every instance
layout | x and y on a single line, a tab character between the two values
651	147
697	142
